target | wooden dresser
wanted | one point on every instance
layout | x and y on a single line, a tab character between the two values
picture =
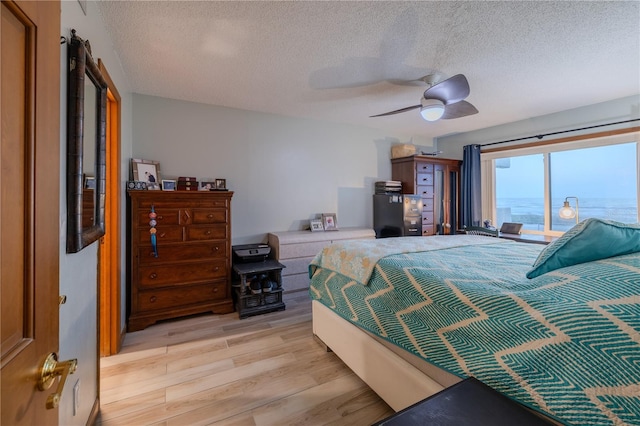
192	271
437	180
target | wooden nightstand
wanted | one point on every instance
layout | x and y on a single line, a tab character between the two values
467	403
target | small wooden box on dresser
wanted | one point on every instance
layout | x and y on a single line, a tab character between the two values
192	271
437	180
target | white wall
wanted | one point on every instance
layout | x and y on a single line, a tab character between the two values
623	109
283	171
78	272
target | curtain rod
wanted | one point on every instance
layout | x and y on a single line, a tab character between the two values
557	133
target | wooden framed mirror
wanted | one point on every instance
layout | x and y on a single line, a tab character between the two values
86	147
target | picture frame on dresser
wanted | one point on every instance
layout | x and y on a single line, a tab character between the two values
207	186
168	185
146	171
221	183
329	221
315	225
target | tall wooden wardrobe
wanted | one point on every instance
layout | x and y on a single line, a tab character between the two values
437	180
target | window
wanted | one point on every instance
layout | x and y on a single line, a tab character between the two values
530	185
520	191
604	179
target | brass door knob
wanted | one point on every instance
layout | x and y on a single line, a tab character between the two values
49	370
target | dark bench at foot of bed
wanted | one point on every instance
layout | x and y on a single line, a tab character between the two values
469	402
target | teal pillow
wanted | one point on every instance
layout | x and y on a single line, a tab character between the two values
591	239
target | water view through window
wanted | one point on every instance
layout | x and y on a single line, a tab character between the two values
604	179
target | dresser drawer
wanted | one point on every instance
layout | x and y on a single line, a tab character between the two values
427	204
424	167
212	232
425	191
427	219
203	216
428	230
164	217
149	300
424	179
164	234
183	252
157	275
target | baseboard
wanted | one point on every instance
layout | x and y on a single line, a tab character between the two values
95	411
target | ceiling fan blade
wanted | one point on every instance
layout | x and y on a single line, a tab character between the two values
451	90
398	111
458	109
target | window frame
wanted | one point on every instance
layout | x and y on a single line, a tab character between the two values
489	177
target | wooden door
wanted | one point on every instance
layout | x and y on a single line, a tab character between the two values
29	205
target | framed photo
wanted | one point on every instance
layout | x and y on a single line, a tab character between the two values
207	186
221	184
146	171
329	221
316	225
168	185
90	182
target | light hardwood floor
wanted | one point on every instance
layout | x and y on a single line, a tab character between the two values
220	370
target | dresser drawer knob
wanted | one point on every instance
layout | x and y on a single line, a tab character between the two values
162	235
153	275
160	217
153	299
216	248
215	289
216	269
208	232
210	216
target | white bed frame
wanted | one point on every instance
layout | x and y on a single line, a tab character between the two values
398	377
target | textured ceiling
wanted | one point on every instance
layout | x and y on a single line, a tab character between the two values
344	61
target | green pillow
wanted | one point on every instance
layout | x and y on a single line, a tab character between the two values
591	239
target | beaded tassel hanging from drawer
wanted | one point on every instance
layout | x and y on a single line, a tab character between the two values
152	230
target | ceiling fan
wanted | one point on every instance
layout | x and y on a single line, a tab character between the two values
444	99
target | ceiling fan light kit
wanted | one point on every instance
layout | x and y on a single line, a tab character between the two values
443	100
432	109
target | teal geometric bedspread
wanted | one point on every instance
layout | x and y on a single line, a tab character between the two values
566	343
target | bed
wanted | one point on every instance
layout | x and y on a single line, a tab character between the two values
555	328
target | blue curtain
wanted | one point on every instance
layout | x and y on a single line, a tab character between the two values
471	197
